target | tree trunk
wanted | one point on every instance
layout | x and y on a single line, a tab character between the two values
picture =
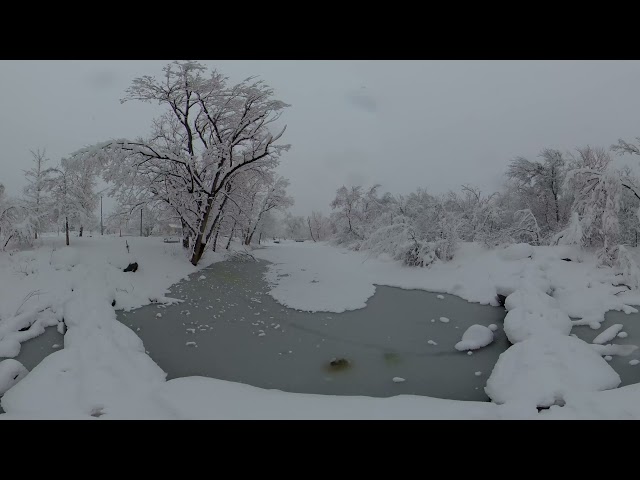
185	234
36	232
231	235
66	229
81	228
260	238
310	231
201	240
215	239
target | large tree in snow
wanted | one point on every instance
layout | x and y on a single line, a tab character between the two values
210	132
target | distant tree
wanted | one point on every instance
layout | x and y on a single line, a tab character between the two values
72	185
540	184
320	227
35	192
295	226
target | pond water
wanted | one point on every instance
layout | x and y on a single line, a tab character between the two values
230	328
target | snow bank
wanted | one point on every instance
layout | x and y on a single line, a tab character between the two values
518	251
11	372
103	371
544	370
475	337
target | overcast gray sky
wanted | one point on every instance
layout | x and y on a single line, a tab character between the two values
403	124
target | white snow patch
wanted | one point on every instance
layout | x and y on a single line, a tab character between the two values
524	322
11	372
612	349
475	337
609	334
518	251
546	369
398	379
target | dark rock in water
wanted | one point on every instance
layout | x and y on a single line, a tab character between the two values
566	259
113	303
501	299
132	267
339	364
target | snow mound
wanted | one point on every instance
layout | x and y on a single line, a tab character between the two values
531	298
444	319
518	251
493	327
11	372
522	323
65	257
476	336
609	334
544	369
634	362
623	335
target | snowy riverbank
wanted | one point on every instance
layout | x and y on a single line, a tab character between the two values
103	370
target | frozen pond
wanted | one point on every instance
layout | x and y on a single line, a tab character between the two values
230	328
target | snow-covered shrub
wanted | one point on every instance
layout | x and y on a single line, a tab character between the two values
571	235
15	225
525	227
629	267
400	242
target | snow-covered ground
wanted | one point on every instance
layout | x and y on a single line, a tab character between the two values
103	370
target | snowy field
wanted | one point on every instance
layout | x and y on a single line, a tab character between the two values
104	372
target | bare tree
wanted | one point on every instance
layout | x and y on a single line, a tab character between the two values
210	132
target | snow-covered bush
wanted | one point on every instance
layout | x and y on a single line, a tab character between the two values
15	225
629	267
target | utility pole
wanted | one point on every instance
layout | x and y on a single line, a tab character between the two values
140	222
101	227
